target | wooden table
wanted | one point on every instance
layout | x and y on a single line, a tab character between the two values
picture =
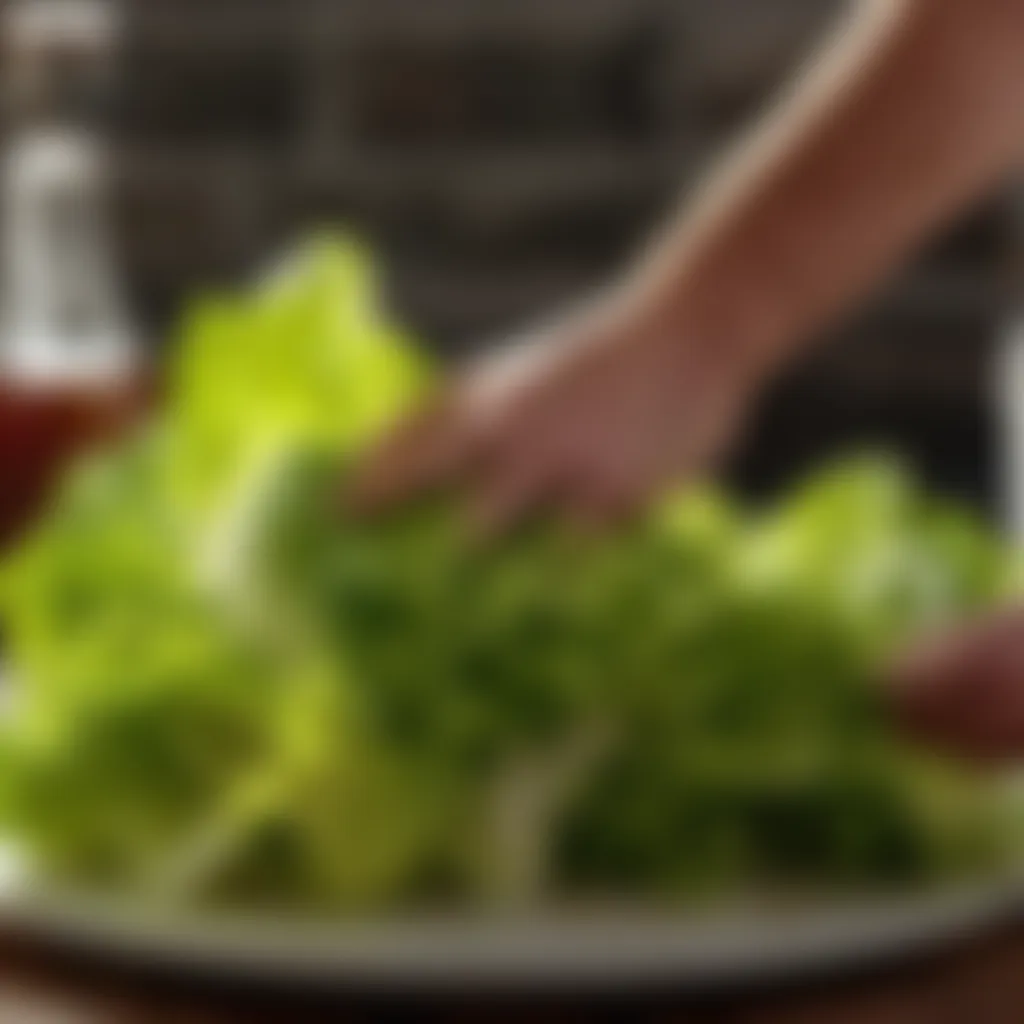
980	982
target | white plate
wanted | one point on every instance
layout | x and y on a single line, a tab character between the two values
596	951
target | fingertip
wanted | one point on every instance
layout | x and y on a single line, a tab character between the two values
592	518
600	502
492	518
370	487
397	467
360	499
511	494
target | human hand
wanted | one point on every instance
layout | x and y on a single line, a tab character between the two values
592	415
963	691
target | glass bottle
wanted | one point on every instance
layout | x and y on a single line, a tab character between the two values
70	370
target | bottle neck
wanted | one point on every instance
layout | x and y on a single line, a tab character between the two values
62	315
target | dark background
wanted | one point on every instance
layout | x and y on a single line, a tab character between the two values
503	155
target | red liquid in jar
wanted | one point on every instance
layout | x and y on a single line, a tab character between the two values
42	430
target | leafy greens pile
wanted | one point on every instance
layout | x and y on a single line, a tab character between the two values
224	688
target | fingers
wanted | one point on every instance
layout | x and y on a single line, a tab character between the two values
511	492
589	496
446	438
508	467
596	512
395	465
426	451
592	430
965	692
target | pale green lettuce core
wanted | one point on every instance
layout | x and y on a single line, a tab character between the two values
226	688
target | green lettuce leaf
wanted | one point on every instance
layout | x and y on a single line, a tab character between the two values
226	687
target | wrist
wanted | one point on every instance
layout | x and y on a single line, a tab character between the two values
738	335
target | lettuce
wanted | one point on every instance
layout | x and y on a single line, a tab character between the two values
227	688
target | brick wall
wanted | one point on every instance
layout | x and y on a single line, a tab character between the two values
505	154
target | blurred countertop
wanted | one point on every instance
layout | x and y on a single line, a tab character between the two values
980	982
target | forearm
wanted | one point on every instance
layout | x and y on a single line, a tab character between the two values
913	111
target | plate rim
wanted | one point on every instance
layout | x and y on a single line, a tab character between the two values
597	951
